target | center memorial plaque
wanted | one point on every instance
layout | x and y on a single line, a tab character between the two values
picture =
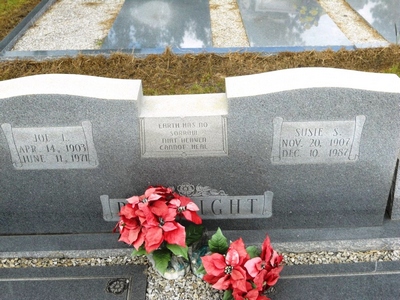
183	136
195	127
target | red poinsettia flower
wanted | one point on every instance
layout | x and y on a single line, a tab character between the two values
130	227
155	198
250	294
149	195
266	279
150	219
227	272
186	207
163	227
128	211
152	194
265	269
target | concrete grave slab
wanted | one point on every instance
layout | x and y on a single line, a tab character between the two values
160	24
289	24
375	280
386	237
383	16
110	282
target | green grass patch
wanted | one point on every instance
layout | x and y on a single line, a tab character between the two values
12	12
395	69
9	5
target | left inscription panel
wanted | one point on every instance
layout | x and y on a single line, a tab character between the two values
40	148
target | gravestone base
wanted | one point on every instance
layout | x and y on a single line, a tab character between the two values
368	280
385	237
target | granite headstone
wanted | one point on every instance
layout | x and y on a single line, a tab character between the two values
324	141
301	148
393	208
59	139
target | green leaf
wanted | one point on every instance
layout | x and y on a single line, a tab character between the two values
193	233
179	250
218	243
141	251
253	251
201	270
161	259
253	285
228	295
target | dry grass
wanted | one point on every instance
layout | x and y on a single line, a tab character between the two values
110	21
214	6
202	73
92	3
183	74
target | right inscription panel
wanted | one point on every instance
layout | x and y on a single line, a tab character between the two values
316	142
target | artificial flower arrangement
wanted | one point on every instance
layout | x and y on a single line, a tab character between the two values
243	273
150	224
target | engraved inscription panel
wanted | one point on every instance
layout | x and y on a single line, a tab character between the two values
181	137
39	148
211	207
316	142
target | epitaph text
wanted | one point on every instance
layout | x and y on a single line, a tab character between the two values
181	137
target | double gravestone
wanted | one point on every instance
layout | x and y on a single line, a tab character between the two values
300	148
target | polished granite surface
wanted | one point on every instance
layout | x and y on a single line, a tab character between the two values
73	283
383	15
289	23
159	24
366	281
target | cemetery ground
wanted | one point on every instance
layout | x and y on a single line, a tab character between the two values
170	74
202	73
186	74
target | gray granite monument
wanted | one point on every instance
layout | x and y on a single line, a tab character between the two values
300	148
